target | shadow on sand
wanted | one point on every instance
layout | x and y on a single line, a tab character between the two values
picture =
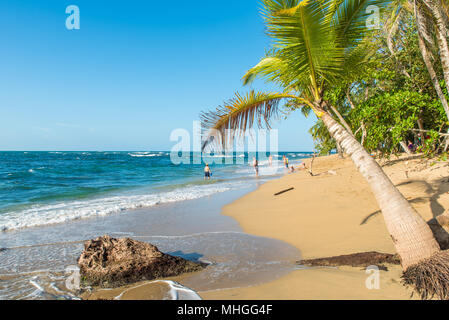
432	195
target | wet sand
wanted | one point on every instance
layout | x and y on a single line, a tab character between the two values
332	214
36	262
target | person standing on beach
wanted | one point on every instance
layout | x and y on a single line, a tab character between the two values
270	160
411	146
256	166
207	172
285	161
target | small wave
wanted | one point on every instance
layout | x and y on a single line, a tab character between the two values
37	286
145	154
39	215
219	156
177	291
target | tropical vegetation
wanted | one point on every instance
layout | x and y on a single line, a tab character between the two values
372	88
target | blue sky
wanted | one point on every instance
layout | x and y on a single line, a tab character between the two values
135	71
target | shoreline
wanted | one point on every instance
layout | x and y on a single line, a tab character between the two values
330	214
343	219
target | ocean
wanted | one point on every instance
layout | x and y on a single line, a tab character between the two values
50	202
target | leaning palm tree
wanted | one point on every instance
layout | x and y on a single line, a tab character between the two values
429	37
441	20
316	45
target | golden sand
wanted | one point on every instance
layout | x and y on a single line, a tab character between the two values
331	214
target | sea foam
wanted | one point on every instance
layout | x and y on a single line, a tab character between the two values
40	215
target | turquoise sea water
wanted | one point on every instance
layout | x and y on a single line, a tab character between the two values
41	188
51	202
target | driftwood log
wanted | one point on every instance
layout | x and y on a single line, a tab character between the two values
284	191
364	259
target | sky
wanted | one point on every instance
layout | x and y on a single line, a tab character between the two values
132	73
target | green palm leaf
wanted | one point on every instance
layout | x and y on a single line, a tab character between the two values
316	44
305	41
240	113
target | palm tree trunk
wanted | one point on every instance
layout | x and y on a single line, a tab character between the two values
411	235
339	151
405	148
426	57
342	120
435	7
348	96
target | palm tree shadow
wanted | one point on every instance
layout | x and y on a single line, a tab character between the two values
368	217
390	163
434	193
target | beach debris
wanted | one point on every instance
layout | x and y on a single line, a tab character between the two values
284	191
311	165
364	259
109	262
332	172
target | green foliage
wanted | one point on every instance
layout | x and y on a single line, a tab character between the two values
390	118
316	45
391	93
430	143
324	143
404	68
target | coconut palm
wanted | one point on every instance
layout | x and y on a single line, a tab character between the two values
426	37
316	45
440	18
429	37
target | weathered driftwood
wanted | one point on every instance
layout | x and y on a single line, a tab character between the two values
364	259
284	191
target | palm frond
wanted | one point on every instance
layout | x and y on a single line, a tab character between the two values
271	67
275	6
425	22
305	41
357	62
240	114
350	19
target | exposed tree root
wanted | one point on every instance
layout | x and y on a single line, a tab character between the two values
430	278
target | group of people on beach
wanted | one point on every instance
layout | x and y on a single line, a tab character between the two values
255	164
270	162
419	142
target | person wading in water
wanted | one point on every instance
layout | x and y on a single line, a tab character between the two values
207	172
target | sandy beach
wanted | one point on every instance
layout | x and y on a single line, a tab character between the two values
330	214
